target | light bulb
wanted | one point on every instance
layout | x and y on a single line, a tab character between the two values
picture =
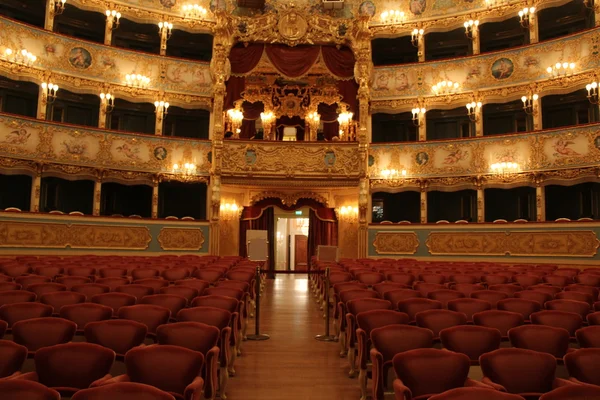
535	97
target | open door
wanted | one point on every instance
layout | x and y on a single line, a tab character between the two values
301	252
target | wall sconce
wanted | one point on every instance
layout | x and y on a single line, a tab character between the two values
392	17
20	57
185	171
525	16
473	110
137	80
528	103
417	116
230	211
194	11
108	101
314	122
592	92
50	90
444	87
113	17
166	29
161	109
59	6
268	119
471	28
345	120
505	170
415	36
235	115
348	214
561	69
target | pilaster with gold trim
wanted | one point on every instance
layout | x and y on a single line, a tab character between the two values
42	103
478	182
421	48
540	197
476	43
108	30
537	113
163	41
423	185
49	17
155	181
36	188
97	194
534	35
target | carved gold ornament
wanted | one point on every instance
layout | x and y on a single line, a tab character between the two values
515	243
396	243
181	239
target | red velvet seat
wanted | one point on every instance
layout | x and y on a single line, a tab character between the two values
113	282
136	290
16	296
578	307
437	320
396	295
175	274
12	357
437	279
3	328
119	335
46	287
465	279
557	280
495	279
15	312
526	280
401	277
501	320
197	284
491	296
534	295
558	319
370	278
123	391
6	286
154	283
198	337
577	287
593	318
588	336
144	273
422	373
584	366
383	287
588	279
467	288
471	340
59	299
425	287
546	339
577	296
209	275
188	293
522	306
552	290
469	306
36	333
391	340
70	367
173	369
112	272
579	392
114	300
83	271
89	290
525	372
84	313
50	271
148	314
15	389
15	270
475	393
171	302
444	296
70	281
414	306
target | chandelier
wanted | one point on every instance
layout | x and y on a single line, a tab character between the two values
505	170
194	11
137	80
393	176
417	115
345	119
529	103
561	69
49	92
229	211
268	119
113	18
392	17
165	29
592	92
415	36
471	28
235	118
473	109
185	172
444	87
525	16
107	100
348	213
20	57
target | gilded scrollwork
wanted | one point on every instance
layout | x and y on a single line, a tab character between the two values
396	243
181	239
564	243
289	199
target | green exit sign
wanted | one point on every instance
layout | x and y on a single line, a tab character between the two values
299	212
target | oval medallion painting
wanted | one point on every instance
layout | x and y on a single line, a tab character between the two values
329	159
80	58
367	8
417	7
502	68
168	3
250	157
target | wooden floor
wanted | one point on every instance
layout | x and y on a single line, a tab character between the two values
292	364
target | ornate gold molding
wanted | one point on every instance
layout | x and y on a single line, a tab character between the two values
396	243
514	243
289	199
181	239
76	236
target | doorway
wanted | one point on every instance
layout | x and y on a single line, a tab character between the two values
291	236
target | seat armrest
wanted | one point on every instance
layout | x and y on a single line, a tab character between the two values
489	382
577	381
193	391
401	392
361	338
211	364
101	381
225	341
116	379
28	376
559	382
473	383
377	373
350	331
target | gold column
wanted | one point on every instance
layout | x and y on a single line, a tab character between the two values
49	18
97	195
476	41
220	72
422	127
421	48
540	198
423	185
42	103
479	121
163	41
108	30
537	114
155	181
534	36
159	112
480	199
36	186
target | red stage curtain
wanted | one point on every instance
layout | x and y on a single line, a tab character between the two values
322	230
296	121
329	115
339	61
233	88
292	61
349	91
244	59
257	217
251	114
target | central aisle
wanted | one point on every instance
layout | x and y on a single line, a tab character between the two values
292	364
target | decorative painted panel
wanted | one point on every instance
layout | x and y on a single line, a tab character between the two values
396	243
488	71
290	160
553	243
181	239
572	147
42	141
86	60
